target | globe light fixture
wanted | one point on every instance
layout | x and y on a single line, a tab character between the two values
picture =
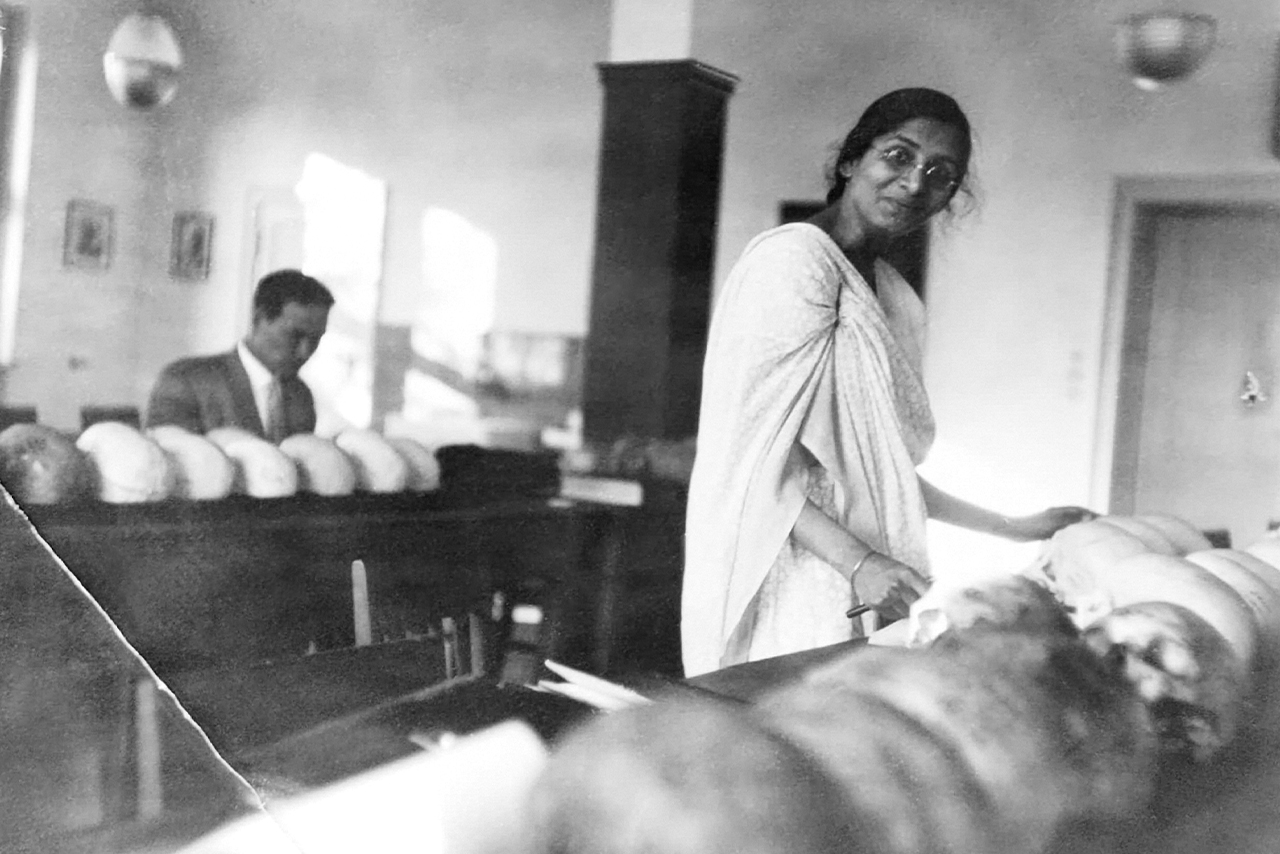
142	62
1161	47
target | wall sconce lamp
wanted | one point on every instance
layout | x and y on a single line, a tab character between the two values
142	62
1161	47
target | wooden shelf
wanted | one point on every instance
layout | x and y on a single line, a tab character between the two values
200	584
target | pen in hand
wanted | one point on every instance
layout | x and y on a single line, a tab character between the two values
857	611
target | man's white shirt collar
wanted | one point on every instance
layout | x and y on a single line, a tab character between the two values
259	379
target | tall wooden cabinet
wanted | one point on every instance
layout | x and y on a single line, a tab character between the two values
659	196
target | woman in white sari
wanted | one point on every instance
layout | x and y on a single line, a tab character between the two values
804	499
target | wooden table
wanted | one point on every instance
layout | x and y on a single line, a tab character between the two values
201	584
1228	807
223	598
350	743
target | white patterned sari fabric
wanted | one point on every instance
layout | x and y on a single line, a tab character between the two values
812	390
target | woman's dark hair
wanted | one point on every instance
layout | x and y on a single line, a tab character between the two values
890	112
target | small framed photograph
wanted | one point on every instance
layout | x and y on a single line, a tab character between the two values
192	245
89	237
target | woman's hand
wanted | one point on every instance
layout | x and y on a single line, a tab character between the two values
1043	525
888	586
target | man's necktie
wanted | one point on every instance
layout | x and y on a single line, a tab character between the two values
277	425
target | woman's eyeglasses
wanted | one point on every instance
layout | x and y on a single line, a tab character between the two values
937	177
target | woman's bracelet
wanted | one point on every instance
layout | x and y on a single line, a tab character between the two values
858	610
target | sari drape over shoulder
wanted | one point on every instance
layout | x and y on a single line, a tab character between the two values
802	354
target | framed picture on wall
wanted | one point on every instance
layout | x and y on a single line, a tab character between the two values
192	245
89	235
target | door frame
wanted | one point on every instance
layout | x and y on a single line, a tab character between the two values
1127	310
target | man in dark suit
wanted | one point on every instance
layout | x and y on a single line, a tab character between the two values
255	386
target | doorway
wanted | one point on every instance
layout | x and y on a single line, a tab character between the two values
1194	372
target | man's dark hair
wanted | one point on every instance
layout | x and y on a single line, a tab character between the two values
276	289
